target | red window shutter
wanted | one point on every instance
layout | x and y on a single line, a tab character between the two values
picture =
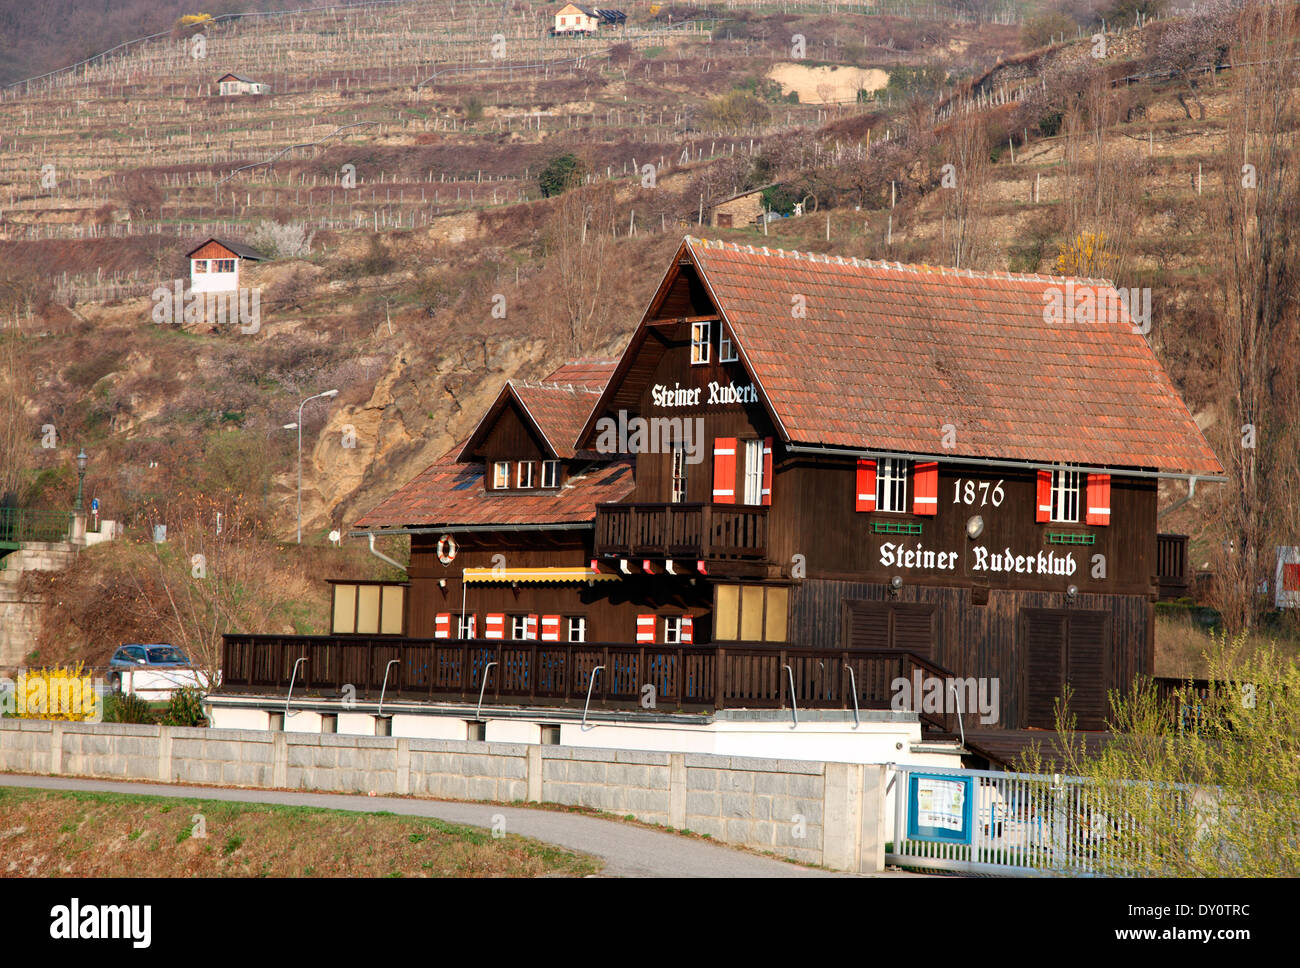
1043	509
645	629
767	470
530	627
550	628
724	470
866	486
688	630
1098	498
494	626
442	625
925	488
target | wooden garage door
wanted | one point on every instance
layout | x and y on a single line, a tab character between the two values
1061	647
906	626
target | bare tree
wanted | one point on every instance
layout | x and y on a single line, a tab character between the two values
964	186
1257	324
580	237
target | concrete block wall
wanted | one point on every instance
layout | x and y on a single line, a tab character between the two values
819	813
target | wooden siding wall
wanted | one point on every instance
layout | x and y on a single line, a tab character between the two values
813	515
982	640
511	439
611	608
672	368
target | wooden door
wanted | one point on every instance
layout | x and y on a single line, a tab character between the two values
1063	646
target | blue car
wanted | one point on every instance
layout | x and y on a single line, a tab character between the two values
156	656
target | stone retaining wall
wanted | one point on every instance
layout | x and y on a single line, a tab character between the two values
820	813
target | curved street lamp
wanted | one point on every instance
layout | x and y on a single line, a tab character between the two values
298	425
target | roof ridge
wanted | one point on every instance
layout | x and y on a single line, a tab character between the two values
867	263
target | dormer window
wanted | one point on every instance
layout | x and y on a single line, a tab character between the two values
500	474
524	476
726	348
550	473
700	333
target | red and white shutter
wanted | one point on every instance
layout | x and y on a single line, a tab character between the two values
767	471
442	625
494	626
645	629
1043	508
550	628
925	488
530	627
865	493
1098	499
724	470
688	630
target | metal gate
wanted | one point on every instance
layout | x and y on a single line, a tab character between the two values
1008	824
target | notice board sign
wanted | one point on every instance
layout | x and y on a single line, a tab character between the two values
939	807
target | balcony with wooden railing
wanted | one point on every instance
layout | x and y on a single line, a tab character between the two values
530	673
692	531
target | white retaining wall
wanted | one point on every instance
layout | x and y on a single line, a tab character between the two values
820	813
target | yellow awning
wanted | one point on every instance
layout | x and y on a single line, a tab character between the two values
575	573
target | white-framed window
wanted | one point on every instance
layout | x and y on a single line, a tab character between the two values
753	472
1065	496
519	626
550	473
672	629
524	477
891	484
679	472
577	628
700	342
500	474
464	626
200	265
223	265
726	348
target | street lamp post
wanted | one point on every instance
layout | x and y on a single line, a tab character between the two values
327	393
82	461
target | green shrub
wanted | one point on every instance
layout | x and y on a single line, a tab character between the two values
125	708
185	708
560	174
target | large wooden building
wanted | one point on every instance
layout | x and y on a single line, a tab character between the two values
805	477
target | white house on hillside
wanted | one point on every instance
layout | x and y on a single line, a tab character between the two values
234	84
572	19
214	265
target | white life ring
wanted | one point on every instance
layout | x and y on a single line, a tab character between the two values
446	549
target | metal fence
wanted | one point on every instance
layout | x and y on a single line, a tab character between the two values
22	524
1014	824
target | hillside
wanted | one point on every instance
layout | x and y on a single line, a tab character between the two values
445	115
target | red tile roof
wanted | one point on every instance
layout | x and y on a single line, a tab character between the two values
451	493
586	374
888	354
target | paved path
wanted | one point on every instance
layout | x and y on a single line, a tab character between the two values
626	849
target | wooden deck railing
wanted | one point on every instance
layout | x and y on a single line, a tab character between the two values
542	673
702	531
1171	565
